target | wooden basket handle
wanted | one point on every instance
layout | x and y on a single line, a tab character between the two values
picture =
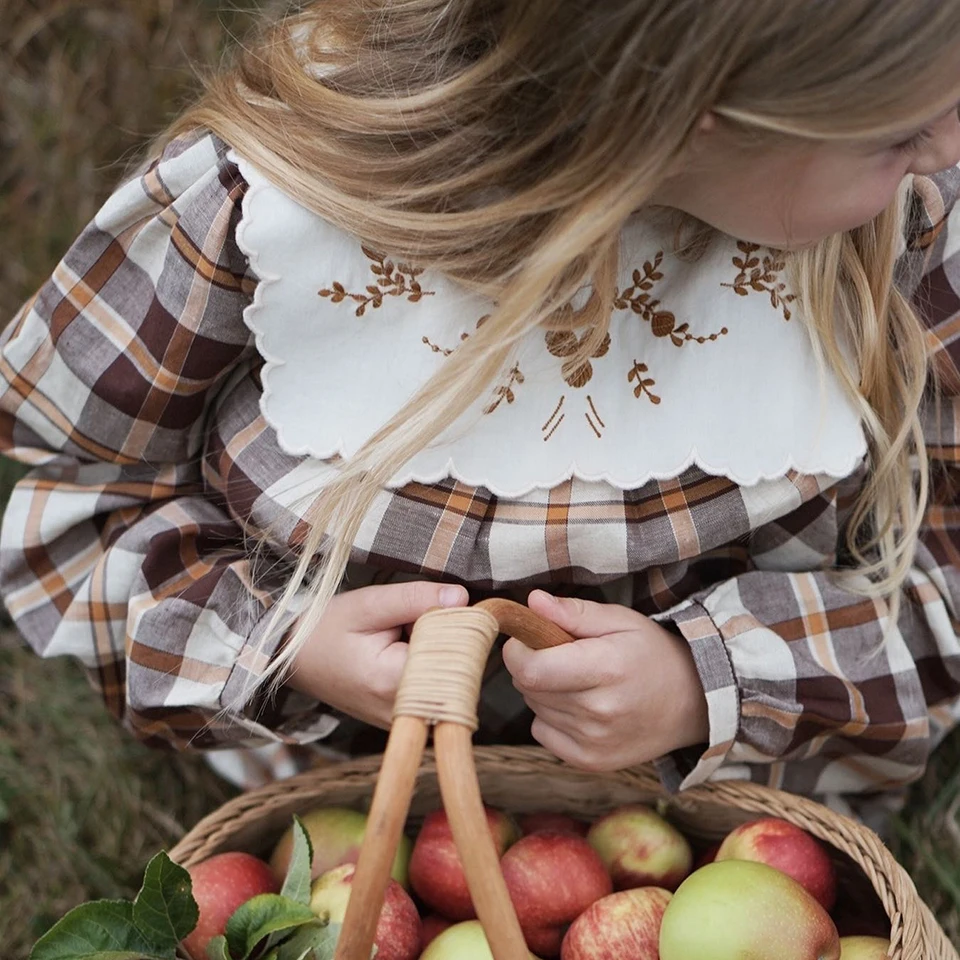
441	687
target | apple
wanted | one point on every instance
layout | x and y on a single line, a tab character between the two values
398	935
436	871
622	925
733	909
790	849
864	948
335	834
548	820
462	941
640	849
432	926
220	884
552	878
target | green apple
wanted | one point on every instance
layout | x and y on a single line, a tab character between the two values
462	941
336	834
739	909
864	948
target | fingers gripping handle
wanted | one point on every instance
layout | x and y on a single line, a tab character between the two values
441	685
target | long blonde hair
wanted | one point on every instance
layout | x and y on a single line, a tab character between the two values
506	142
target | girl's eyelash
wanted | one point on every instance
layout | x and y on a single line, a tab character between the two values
914	143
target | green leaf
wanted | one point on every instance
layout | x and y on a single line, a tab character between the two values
296	885
100	930
261	916
217	948
314	941
165	911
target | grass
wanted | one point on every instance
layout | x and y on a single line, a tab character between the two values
83	806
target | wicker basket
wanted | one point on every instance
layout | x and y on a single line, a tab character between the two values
525	779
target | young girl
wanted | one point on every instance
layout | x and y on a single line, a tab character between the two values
624	310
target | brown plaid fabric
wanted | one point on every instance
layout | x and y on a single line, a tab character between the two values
130	385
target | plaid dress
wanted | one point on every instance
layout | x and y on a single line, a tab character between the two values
130	385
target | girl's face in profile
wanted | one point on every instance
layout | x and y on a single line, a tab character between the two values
796	193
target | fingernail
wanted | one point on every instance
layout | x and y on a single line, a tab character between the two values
452	596
548	596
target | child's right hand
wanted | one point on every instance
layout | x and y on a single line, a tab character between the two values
355	657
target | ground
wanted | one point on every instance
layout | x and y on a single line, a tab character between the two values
82	806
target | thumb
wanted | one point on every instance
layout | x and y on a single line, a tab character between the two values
390	605
584	618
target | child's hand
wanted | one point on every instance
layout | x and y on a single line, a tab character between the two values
355	658
626	692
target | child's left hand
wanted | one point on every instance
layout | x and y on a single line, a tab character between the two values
626	692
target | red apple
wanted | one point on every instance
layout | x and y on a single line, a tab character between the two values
335	834
398	935
462	941
436	872
552	878
864	948
735	909
432	926
548	820
222	883
622	925
640	849
788	848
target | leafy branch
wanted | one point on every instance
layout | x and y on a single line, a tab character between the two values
762	276
392	280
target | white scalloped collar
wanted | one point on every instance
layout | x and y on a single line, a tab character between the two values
708	364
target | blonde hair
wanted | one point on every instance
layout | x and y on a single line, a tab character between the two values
506	142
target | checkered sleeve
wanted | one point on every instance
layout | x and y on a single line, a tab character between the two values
112	549
806	688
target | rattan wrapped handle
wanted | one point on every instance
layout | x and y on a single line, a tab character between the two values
441	688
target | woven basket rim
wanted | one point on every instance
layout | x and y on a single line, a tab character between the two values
915	934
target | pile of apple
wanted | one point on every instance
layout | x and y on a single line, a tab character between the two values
624	887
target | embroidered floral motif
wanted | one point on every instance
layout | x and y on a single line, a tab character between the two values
638	298
762	276
505	390
643	383
393	280
565	343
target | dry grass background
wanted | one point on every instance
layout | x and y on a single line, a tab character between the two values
83	84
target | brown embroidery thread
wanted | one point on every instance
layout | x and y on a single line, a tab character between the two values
762	276
393	280
505	390
643	383
638	298
565	343
546	428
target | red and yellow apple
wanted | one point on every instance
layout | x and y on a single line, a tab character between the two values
788	848
462	941
641	849
552	878
864	948
436	871
398	935
622	926
548	820
220	884
336	834
733	909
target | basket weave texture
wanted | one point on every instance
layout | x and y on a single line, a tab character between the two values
525	779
